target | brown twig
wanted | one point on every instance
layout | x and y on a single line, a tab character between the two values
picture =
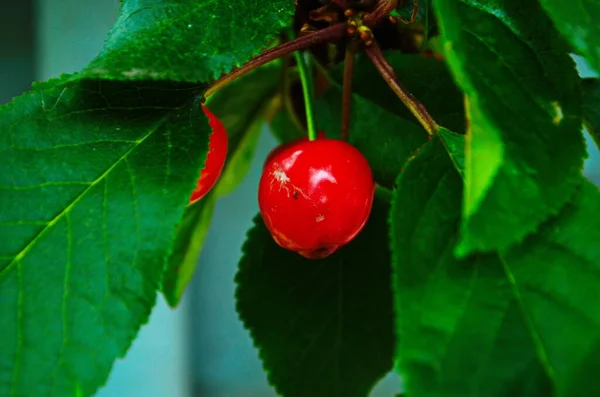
383	8
343	4
412	103
347	89
331	33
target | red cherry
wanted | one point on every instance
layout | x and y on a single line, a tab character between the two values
278	149
215	159
316	196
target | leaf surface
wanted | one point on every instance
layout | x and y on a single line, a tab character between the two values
462	331
324	328
94	179
187	40
520	323
578	22
525	148
556	274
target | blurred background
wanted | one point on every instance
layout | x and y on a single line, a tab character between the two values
200	349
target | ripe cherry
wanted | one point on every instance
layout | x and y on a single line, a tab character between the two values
283	146
315	196
215	159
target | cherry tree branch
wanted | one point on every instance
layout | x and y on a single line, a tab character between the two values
383	8
331	33
412	103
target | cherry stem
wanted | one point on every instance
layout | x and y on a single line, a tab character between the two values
383	8
331	33
347	90
306	81
413	104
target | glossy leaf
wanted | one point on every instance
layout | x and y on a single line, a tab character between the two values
582	380
556	274
474	326
462	330
525	149
94	179
455	146
591	107
187	40
324	328
384	138
578	22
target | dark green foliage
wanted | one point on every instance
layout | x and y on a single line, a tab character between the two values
477	274
323	328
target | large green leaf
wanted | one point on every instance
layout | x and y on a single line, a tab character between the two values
579	383
384	138
591	107
324	328
525	148
578	22
474	326
462	331
187	40
556	274
426	78
94	179
241	107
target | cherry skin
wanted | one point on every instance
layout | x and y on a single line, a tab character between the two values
215	159
315	196
283	146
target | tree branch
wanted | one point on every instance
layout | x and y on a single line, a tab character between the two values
331	33
388	74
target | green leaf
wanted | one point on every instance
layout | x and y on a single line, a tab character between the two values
426	78
455	145
385	139
187	40
462	330
186	248
323	327
556	274
578	22
591	107
522	319
95	177
525	148
582	380
241	107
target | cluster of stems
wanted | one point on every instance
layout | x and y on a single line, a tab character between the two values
358	36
